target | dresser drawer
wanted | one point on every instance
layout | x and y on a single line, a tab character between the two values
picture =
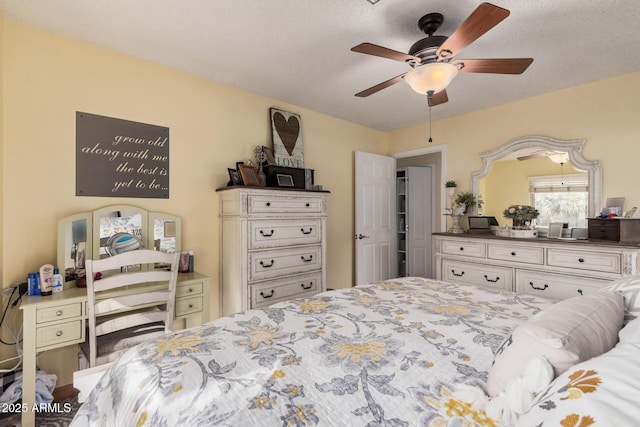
584	260
59	312
477	274
267	293
263	203
471	249
523	254
186	306
282	262
278	233
188	289
59	334
555	286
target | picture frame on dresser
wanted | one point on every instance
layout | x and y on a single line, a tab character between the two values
249	175
284	180
234	176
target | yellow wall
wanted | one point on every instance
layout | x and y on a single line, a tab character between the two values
48	78
508	183
604	112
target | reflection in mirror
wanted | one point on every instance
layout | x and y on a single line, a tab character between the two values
74	245
532	146
165	235
120	243
116	220
108	230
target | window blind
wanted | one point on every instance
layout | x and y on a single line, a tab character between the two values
559	183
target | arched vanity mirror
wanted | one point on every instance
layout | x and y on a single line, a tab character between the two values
111	230
534	144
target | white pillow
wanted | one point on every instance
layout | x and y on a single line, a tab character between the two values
629	287
602	391
630	333
566	333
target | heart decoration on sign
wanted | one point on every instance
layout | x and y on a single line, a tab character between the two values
288	130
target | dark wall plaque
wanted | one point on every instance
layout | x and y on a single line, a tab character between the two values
121	158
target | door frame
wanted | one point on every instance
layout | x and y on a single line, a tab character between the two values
442	149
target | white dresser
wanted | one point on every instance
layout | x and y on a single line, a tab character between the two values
273	246
552	268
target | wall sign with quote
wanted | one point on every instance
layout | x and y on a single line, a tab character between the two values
287	138
121	158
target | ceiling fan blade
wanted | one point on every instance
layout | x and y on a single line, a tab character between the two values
438	98
485	17
495	66
533	156
380	86
383	52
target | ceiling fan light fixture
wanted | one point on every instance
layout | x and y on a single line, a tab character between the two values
434	76
560	158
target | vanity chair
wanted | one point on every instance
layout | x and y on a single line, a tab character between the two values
125	308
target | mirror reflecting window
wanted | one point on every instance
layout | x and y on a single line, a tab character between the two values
534	145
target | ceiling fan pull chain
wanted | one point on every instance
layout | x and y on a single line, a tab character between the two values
429	95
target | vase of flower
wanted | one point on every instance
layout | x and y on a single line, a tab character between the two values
522	217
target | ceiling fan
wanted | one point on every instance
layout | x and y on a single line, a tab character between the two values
430	58
560	157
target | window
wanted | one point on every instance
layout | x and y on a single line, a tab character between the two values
560	198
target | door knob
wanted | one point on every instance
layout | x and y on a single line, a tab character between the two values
361	236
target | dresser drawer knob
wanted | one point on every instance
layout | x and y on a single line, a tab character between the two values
307	287
268	204
580	291
307	204
307	232
580	259
461	248
267	265
262	294
457	274
513	254
190	305
537	288
59	313
59	333
189	290
490	280
266	234
306	259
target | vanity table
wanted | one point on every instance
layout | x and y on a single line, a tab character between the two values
59	320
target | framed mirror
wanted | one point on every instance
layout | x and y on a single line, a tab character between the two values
111	230
532	144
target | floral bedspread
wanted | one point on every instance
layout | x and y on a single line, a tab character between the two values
383	354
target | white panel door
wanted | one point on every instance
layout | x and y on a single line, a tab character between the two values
375	217
419	221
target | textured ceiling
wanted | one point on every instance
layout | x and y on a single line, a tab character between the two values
298	51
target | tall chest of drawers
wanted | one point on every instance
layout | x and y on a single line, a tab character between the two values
273	246
552	268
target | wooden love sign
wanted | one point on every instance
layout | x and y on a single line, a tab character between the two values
287	138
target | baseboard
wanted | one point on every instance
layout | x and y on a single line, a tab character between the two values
64	392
